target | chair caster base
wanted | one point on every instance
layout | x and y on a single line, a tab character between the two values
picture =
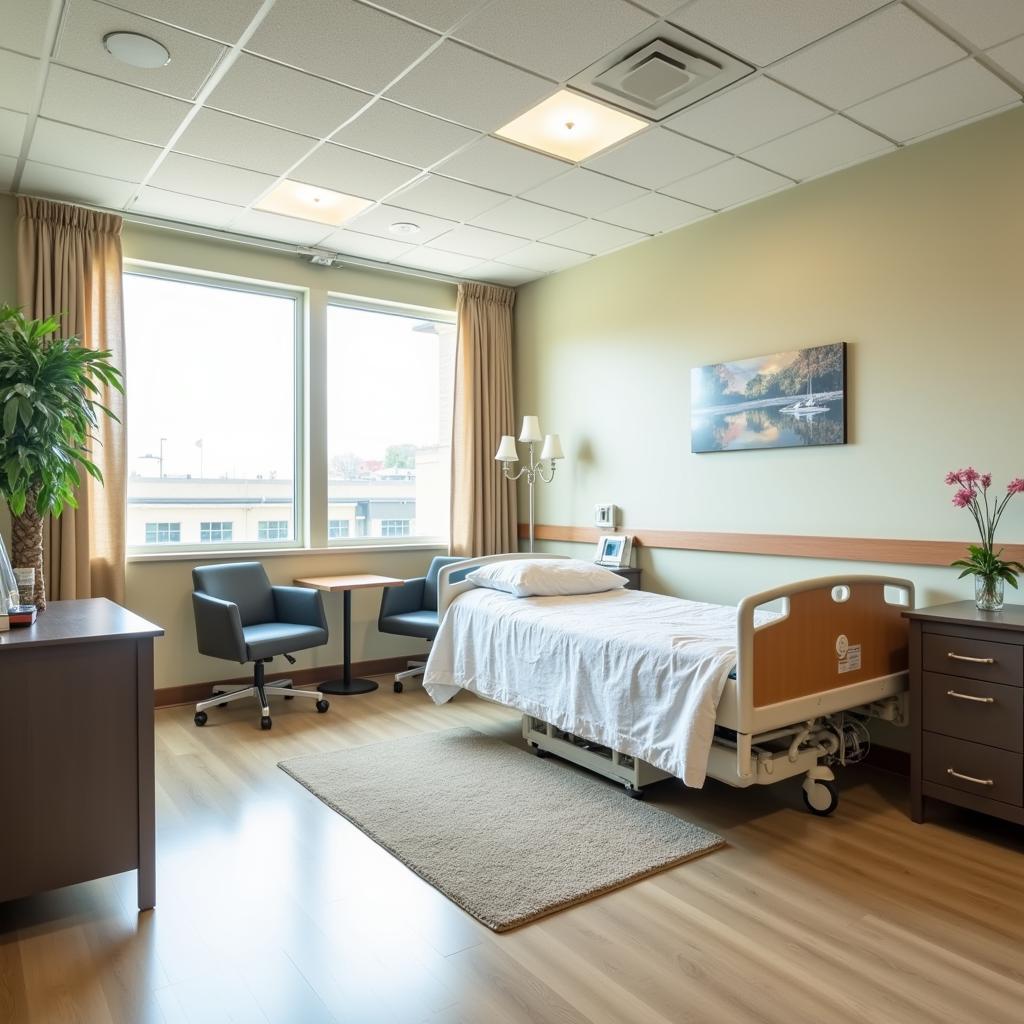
265	722
200	718
398	686
322	705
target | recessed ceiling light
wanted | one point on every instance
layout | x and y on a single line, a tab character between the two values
294	199
570	126
404	227
136	50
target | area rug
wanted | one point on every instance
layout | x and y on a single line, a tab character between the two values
505	835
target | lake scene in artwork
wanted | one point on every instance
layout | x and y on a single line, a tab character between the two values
783	400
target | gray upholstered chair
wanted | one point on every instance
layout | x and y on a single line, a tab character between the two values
241	617
411	610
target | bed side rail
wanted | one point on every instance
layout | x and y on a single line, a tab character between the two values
448	591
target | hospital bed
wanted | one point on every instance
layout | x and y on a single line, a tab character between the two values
800	676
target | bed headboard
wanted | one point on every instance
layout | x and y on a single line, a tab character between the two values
448	591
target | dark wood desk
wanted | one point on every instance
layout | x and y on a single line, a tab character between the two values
76	749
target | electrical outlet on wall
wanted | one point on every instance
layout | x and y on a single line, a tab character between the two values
605	516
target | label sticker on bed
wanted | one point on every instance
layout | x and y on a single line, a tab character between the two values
842	645
851	663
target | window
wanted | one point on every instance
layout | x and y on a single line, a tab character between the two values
212	409
216	533
389	440
337	528
273	529
163	533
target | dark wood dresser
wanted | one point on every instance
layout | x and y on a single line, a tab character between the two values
967	708
76	749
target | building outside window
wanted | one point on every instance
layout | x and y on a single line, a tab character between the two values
163	533
337	529
395	528
273	529
216	532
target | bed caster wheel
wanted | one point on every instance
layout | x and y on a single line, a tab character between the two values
820	797
398	686
265	722
322	705
636	794
200	718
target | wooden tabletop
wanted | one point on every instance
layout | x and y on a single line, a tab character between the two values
965	613
362	581
89	620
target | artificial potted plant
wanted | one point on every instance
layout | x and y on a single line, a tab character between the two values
49	405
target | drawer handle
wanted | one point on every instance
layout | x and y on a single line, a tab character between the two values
970	696
967	657
969	778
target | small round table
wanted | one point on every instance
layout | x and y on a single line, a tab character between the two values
346	685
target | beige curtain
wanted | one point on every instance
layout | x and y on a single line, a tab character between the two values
69	263
483	501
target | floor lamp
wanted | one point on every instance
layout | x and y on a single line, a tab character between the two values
530	435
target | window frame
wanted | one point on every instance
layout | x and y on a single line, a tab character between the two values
409	311
300	438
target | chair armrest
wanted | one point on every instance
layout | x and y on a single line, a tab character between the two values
300	605
399	600
218	628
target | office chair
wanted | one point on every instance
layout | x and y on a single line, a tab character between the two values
241	617
411	610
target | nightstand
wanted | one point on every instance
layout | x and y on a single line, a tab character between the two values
967	708
632	573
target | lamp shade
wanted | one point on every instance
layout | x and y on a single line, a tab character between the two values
552	447
507	449
530	434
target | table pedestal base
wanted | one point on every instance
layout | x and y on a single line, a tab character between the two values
343	688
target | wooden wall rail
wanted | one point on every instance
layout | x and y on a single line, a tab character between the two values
845	549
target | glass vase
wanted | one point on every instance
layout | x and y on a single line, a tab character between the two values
988	593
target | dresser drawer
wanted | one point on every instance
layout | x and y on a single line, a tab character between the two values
970	709
981	770
974	659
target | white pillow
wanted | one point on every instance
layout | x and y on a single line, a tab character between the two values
546	577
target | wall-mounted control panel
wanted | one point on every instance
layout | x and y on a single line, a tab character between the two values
606	516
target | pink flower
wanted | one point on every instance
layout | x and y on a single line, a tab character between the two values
970	474
986	480
963	497
953	478
1015	486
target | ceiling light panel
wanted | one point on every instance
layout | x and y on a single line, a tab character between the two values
348	170
571	126
586	193
17	80
137	51
80	45
871	57
655	158
501	166
470	88
984	22
322	205
228	139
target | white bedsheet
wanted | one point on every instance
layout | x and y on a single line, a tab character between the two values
638	672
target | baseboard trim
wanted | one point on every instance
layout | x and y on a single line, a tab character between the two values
889	759
190	693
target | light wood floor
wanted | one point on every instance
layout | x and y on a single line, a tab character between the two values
271	908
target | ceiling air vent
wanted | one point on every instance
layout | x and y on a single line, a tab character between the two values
660	72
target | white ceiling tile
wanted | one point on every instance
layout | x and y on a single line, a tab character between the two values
438	262
284	97
518	217
378	220
754	112
502	166
17	80
735	181
763	32
656	157
983	22
63	145
12	131
352	172
341	40
8	165
24	25
819	148
400	133
544	258
282	229
501	273
593	237
584	192
435	14
60	183
367	247
1011	57
80	45
654	213
93	102
443	197
228	139
553	39
223	184
157	202
956	93
470	241
871	57
465	86
224	19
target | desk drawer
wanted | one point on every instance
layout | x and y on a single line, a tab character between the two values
974	659
981	770
969	709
